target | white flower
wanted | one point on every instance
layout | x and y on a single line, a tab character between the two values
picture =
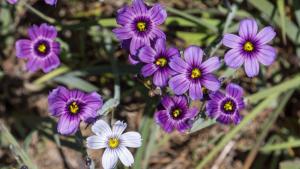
114	142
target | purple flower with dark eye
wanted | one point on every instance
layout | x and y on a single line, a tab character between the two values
192	73
175	114
72	106
250	47
41	50
139	25
157	61
225	107
50	2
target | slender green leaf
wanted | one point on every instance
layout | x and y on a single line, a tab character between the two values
200	124
280	146
229	136
75	82
282	87
267	8
16	148
290	164
280	5
49	76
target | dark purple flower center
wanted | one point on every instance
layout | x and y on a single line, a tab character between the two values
161	62
74	107
248	46
228	106
176	113
42	48
195	73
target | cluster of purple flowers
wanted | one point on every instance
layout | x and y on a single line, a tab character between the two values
42	51
190	76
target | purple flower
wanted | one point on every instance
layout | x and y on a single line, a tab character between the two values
41	50
157	61
50	2
250	47
192	73
72	106
175	114
12	1
225	107
139	25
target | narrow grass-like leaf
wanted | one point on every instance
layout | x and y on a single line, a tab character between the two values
108	106
200	124
290	164
280	146
282	87
296	5
75	82
49	76
151	145
269	10
280	6
230	135
16	148
28	140
265	129
145	131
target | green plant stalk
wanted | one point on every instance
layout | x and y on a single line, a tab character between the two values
266	127
280	88
147	121
59	71
235	130
280	146
281	6
40	14
16	147
152	146
228	21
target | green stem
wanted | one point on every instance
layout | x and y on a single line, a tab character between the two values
51	75
280	146
40	14
280	88
228	21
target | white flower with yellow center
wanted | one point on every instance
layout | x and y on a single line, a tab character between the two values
114	142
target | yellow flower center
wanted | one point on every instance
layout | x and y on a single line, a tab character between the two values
141	26
42	48
228	106
74	108
248	46
176	113
113	143
161	62
196	73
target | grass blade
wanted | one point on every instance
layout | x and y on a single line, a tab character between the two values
229	136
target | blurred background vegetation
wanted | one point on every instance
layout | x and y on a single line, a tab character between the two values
267	138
